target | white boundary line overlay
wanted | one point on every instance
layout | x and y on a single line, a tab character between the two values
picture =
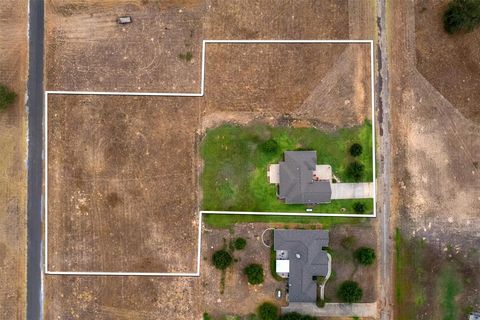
202	212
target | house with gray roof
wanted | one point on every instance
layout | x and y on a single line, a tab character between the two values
300	180
300	258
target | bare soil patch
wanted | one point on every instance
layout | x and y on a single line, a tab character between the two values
122	184
13	74
238	297
436	152
449	62
344	240
325	85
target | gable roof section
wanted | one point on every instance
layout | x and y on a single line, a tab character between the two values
296	179
307	259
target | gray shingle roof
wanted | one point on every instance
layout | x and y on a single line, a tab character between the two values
312	261
296	179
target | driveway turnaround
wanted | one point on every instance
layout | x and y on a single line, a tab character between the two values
334	309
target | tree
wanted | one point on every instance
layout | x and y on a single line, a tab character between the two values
461	15
270	146
365	256
359	207
254	273
6	97
267	311
350	292
240	244
355	170
222	259
356	149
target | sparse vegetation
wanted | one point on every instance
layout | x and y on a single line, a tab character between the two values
222	259
350	292
240	243
348	242
461	15
7	97
254	273
187	57
356	149
267	311
365	256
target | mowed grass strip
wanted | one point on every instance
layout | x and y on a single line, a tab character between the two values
235	178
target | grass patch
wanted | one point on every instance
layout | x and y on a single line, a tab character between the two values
450	286
273	265
226	221
236	159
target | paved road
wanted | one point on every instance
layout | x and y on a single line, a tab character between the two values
35	120
383	206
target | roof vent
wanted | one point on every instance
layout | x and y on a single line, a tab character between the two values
298	255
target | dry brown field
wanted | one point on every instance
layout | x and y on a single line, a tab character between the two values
122	184
122	170
448	62
13	74
436	148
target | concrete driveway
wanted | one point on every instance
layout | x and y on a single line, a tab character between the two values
352	190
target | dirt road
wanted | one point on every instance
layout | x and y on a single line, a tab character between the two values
383	205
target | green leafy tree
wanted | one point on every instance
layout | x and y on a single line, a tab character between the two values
359	207
240	244
254	273
356	149
356	170
6	97
270	146
350	292
222	259
461	15
267	311
365	256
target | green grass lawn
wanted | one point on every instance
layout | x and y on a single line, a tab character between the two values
228	220
235	167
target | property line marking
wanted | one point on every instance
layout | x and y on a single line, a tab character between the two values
200	215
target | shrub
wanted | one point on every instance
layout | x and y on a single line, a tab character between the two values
461	15
350	292
267	311
365	256
222	259
270	146
356	149
359	207
240	244
355	170
188	56
206	316
6	97
254	273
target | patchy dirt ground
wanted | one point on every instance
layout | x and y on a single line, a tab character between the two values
236	288
122	184
344	266
13	73
436	152
449	62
